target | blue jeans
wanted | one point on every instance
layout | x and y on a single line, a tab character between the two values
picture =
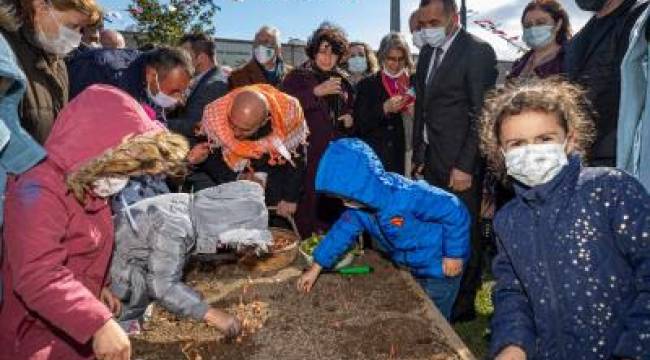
441	291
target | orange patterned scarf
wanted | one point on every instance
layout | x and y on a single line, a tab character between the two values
289	129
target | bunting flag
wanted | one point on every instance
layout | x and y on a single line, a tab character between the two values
494	28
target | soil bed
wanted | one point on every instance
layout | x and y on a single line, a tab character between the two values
379	316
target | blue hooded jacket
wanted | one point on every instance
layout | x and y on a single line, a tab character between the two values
573	267
415	223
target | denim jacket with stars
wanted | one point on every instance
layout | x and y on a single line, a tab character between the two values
573	268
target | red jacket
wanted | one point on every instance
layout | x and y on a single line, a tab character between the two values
57	251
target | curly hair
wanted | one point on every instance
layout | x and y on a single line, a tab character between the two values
551	96
159	153
331	34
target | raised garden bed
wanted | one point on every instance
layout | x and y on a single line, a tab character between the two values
380	316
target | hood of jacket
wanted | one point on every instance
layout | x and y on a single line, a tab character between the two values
96	121
349	169
233	214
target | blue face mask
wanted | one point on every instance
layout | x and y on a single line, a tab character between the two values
539	36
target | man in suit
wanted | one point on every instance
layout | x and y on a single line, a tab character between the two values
454	73
207	85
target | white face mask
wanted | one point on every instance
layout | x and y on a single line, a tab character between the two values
397	75
161	99
65	41
264	54
418	41
435	36
357	65
538	36
109	186
536	164
352	204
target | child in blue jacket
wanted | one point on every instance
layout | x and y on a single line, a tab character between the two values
417	225
573	263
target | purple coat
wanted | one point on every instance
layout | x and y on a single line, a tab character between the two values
549	68
314	213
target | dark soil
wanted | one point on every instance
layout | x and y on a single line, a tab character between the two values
378	316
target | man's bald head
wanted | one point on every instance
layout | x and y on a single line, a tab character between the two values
248	114
112	39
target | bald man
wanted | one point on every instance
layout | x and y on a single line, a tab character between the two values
256	133
111	39
249	113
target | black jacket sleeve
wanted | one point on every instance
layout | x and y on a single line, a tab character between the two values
193	112
480	79
369	107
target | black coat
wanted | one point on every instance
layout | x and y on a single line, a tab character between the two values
593	60
448	111
284	182
384	133
211	87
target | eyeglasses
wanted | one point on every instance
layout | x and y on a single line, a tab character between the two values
395	58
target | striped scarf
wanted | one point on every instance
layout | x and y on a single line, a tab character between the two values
289	129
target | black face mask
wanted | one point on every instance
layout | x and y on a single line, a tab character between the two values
591	5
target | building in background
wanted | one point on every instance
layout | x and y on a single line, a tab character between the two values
234	53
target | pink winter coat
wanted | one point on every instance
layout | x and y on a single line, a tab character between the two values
57	251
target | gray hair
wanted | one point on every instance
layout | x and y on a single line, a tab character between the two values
394	40
273	31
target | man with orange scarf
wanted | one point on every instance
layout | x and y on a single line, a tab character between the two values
256	133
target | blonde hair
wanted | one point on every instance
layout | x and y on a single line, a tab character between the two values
160	153
88	7
552	96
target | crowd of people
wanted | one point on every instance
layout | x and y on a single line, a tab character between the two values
120	164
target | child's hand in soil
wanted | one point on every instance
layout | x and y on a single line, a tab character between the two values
228	324
511	353
111	301
308	278
452	267
111	342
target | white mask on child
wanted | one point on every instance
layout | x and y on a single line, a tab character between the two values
352	204
536	164
109	186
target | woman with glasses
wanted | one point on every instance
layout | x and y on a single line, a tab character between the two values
382	99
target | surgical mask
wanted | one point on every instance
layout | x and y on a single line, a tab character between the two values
591	5
109	186
399	74
418	41
536	164
357	65
538	36
352	204
65	41
435	36
264	54
161	99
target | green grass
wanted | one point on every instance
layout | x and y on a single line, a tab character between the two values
473	333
